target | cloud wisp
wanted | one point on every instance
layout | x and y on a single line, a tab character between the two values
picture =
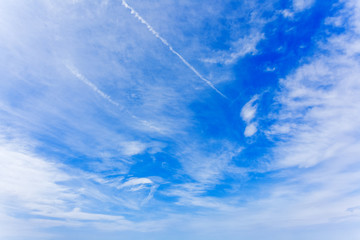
157	35
239	48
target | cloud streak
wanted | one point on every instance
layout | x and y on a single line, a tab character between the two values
78	75
157	35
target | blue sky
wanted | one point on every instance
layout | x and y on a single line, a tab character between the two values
179	119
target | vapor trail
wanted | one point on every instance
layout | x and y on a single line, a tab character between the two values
157	35
76	73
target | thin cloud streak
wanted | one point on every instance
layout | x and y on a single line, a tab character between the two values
76	73
157	35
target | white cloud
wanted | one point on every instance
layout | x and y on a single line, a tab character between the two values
205	167
287	13
250	130
244	46
37	194
31	180
137	192
45	194
248	111
321	105
30	185
130	148
192	194
270	69
136	181
297	7
300	5
206	170
239	48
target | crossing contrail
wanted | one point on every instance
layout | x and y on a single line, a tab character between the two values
157	35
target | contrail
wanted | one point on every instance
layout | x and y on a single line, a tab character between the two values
157	35
76	73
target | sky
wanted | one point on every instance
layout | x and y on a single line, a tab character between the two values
165	119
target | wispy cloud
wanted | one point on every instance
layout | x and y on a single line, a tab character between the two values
300	5
239	48
43	191
208	168
136	181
